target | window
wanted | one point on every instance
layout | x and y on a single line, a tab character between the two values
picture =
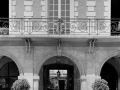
8	74
59	16
4	15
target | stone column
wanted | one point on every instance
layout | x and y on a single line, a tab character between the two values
29	77
83	82
32	79
36	82
90	79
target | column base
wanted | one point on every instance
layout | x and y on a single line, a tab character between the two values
32	79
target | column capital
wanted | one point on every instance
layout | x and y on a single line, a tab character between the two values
36	77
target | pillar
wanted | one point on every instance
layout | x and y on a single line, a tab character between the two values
36	82
90	79
33	80
83	82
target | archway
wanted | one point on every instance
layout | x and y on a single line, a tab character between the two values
109	72
8	72
63	71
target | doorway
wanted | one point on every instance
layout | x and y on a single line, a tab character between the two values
60	11
4	17
58	77
64	72
110	74
115	17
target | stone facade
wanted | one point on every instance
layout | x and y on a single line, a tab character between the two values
88	63
88	57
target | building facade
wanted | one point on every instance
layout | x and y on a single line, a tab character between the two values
60	44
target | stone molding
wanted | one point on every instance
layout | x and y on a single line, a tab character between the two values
54	53
13	8
10	55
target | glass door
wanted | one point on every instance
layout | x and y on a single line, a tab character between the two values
59	16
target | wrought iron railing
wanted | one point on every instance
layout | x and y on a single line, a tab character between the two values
52	26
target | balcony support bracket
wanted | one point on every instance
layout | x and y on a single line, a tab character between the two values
59	48
27	44
92	45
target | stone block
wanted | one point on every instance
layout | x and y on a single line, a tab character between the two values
13	2
43	8
76	3
29	14
106	14
106	9
43	14
42	2
14	13
93	14
91	9
28	2
91	3
28	8
76	13
106	3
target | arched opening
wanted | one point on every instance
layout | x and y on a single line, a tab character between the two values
8	73
109	72
59	73
115	16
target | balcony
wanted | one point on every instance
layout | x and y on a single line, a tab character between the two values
59	27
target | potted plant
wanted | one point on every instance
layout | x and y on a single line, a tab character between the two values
21	84
100	84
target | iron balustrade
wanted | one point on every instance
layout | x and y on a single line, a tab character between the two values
59	26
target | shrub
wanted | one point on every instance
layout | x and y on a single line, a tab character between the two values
21	84
100	84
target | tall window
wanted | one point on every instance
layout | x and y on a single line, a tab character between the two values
8	74
60	11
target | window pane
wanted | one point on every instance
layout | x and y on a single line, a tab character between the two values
62	7
55	7
51	7
55	13
62	1
67	1
51	1
67	7
50	13
62	13
67	13
55	1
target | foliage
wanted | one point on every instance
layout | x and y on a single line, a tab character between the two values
21	84
100	84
